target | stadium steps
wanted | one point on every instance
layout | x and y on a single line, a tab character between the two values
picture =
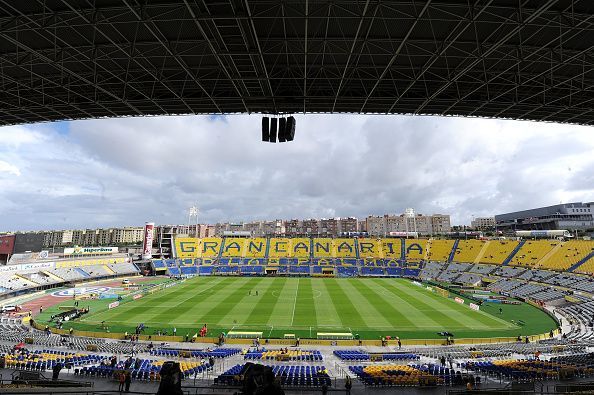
82	272
53	276
108	269
548	256
482	252
26	280
356	244
581	262
513	253
426	252
453	252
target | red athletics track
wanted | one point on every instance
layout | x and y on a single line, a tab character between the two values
48	300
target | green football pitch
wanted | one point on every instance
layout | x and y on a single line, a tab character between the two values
370	307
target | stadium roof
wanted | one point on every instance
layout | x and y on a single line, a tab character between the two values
520	59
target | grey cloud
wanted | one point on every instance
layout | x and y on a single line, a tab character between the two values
125	171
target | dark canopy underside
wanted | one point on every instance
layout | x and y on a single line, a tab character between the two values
520	59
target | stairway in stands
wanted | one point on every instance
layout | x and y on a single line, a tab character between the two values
513	253
581	262
82	272
453	252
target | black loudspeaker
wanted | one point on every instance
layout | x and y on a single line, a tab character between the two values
265	129
290	129
273	122
258	379
282	124
170	379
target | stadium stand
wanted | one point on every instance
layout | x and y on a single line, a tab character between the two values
468	250
290	375
568	254
532	252
284	355
497	251
416	249
143	369
439	250
524	370
11	282
216	353
356	355
408	375
586	265
45	359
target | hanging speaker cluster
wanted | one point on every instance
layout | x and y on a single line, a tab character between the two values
282	129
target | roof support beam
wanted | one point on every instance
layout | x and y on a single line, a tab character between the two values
543	8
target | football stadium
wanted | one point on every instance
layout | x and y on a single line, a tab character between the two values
387	304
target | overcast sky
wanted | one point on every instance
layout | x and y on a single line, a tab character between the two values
116	172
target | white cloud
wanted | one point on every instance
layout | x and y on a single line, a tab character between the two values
126	171
6	167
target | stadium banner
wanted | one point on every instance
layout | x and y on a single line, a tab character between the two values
113	305
108	296
459	300
90	250
147	243
474	306
344	248
137	296
187	247
24	267
418	284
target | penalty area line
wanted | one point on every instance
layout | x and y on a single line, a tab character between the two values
295	302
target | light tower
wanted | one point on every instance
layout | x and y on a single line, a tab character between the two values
410	213
193	213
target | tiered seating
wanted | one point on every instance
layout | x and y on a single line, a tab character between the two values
569	253
344	271
580	361
439	250
292	355
372	271
523	370
123	268
46	359
587	266
453	271
344	248
144	369
11	282
497	251
159	264
98	271
355	355
482	269
216	353
40	278
468	250
305	269
469	279
292	376
532	252
211	247
415	249
536	275
398	375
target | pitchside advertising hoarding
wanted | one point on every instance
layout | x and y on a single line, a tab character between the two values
27	267
147	244
90	250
